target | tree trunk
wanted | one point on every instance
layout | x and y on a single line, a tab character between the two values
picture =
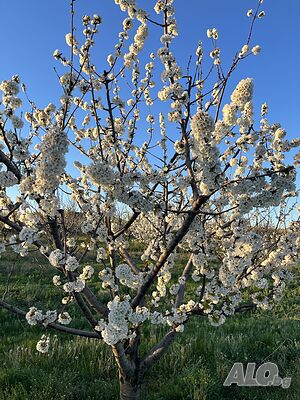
129	391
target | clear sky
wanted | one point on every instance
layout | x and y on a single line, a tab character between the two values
31	30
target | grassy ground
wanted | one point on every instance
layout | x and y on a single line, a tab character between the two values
194	369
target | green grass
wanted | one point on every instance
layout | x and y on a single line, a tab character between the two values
194	368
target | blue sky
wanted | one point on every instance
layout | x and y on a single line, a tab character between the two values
31	30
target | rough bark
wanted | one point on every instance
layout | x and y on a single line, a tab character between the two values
130	391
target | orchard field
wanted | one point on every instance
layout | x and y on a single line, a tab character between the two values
194	369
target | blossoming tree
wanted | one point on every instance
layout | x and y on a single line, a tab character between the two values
198	181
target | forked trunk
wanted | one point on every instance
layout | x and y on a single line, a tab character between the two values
129	391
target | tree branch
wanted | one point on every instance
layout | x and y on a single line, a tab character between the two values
57	327
185	274
10	165
124	253
126	368
172	245
127	225
157	351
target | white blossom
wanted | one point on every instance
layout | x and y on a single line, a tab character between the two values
43	344
64	318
